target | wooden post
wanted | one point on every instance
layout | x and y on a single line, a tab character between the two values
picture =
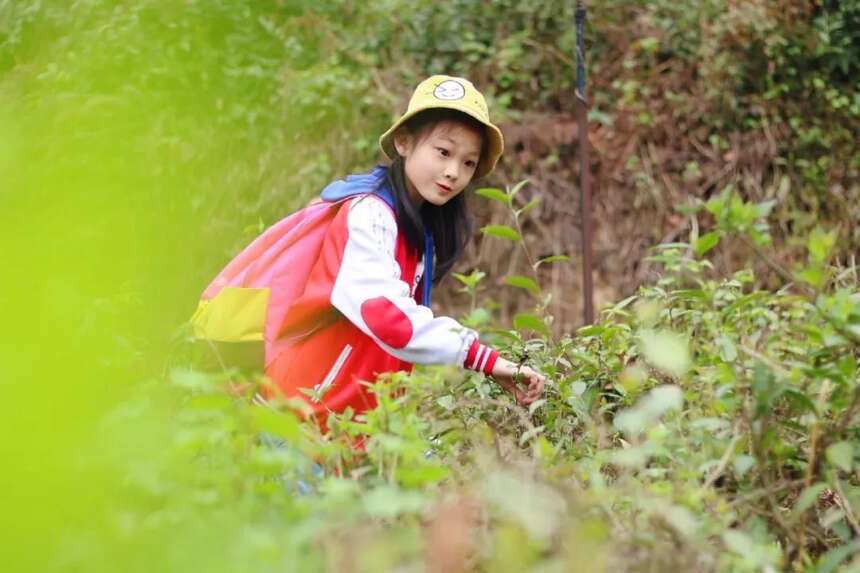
584	169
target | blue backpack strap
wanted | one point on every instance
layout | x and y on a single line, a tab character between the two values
387	195
429	253
371	182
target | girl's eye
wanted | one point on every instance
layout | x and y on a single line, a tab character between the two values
470	164
443	151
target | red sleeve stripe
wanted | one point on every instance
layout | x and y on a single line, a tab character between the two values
480	358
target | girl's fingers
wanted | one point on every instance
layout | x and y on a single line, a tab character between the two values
512	389
535	385
525	385
519	395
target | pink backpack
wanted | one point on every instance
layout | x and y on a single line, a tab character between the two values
248	300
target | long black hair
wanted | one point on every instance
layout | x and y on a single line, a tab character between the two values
449	224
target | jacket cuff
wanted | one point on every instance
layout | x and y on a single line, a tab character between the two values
480	358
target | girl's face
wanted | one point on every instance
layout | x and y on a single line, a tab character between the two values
440	165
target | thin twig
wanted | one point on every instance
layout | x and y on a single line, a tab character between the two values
846	507
813	444
724	461
757	493
769	362
773	264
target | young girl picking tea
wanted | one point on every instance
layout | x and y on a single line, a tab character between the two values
339	292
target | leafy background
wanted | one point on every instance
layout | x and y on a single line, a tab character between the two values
707	421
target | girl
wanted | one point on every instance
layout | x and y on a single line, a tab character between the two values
363	306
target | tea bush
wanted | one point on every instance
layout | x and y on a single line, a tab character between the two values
700	424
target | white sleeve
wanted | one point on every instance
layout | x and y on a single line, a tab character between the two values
369	291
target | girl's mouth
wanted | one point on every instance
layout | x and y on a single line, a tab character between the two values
443	188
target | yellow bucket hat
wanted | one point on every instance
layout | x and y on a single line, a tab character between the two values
453	93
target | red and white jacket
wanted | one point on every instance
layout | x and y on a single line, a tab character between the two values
360	316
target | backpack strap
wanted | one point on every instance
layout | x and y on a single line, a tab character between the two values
429	254
374	181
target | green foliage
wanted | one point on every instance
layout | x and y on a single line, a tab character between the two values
710	427
702	424
733	214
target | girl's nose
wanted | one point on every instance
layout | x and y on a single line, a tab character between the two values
451	172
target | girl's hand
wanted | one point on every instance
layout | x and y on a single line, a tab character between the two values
523	383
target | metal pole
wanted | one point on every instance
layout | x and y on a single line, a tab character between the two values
584	170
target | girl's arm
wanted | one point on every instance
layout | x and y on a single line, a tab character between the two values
369	292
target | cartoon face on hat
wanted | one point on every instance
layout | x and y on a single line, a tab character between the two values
449	90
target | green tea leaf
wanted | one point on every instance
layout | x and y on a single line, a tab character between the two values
528	206
516	188
649	409
820	244
666	350
681	518
739	542
470	280
691	294
841	455
282	424
535	405
742	464
478	317
411	476
502	232
551	259
447	402
523	283
529	434
527	321
728	350
764	208
706	242
591	330
813	274
831	560
806	499
494	194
